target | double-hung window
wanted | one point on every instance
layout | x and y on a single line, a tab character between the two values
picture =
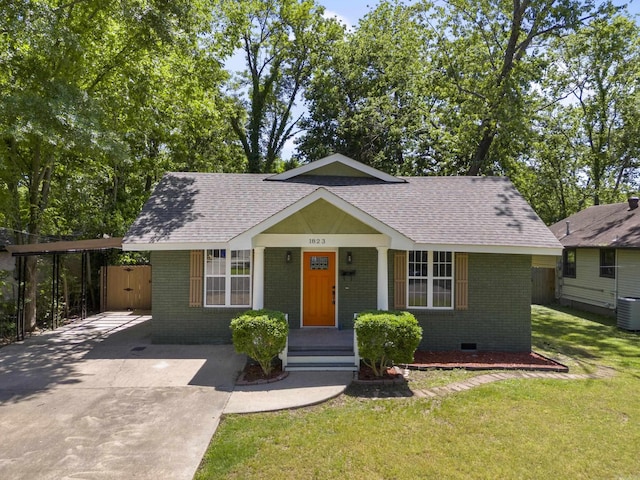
608	263
569	263
227	277
430	279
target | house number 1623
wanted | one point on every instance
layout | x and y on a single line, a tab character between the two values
317	241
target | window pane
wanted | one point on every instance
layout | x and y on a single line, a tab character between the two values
240	291
215	291
216	262
442	264
442	293
608	263
241	262
319	263
418	263
417	293
569	263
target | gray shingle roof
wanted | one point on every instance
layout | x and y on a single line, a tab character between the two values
210	207
612	225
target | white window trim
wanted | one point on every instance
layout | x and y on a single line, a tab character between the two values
430	280
227	281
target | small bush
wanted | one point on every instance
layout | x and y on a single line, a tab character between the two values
385	338
7	319
261	334
7	331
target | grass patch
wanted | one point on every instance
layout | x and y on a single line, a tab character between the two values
520	429
585	339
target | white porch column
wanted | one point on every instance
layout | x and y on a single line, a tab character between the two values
383	279
258	278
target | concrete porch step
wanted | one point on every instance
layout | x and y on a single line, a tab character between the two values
321	359
322	367
321	352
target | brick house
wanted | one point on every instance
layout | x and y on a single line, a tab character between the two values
332	238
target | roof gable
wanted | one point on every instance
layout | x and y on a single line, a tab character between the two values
321	217
336	165
335	201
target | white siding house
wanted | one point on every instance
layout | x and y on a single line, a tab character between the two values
601	258
628	273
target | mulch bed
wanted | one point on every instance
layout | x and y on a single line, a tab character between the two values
252	374
390	375
423	360
426	360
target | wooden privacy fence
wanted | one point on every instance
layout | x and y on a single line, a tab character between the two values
125	287
543	285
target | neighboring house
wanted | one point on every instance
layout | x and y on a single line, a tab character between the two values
332	238
601	257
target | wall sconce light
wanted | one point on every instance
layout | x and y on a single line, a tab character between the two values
288	257
349	258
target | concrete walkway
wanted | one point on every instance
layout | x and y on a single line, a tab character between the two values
97	400
298	389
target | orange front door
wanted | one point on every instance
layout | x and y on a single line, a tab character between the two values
319	292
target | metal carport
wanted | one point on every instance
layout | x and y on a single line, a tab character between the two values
55	249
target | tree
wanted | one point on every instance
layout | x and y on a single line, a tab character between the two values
551	174
65	66
369	99
599	66
488	54
281	41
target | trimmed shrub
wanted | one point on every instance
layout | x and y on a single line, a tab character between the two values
385	338
260	334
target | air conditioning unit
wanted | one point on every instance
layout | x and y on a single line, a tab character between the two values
629	313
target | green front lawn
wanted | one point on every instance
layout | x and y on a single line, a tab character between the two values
581	429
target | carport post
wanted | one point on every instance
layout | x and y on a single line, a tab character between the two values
22	267
83	287
55	288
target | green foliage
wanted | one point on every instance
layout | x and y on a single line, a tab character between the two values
260	334
282	42
7	311
98	100
595	68
385	338
7	330
367	100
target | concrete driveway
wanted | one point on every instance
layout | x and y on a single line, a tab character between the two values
96	400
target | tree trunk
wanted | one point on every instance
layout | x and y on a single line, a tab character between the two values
480	157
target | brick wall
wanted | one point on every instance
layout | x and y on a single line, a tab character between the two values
282	282
499	314
173	320
358	292
498	318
